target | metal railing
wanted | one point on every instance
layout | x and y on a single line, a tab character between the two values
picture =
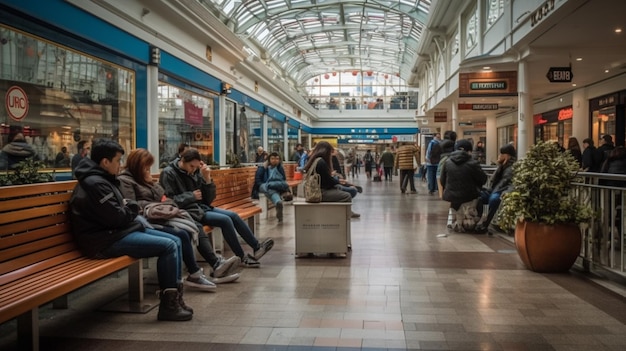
602	239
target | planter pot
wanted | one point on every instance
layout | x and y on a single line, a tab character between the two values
548	248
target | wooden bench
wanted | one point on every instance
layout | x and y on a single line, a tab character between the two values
234	187
39	260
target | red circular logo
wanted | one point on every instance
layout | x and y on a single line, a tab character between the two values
16	103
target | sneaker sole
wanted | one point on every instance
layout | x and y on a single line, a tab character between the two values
267	249
201	287
226	279
228	267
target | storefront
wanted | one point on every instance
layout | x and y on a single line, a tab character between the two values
55	95
554	126
607	114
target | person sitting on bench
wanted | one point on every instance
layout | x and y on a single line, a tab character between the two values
272	182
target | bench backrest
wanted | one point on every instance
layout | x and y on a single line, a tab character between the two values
233	184
34	228
290	169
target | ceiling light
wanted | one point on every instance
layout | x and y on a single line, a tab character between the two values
579	59
486	67
618	30
573	84
606	71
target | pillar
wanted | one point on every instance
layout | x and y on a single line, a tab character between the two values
525	110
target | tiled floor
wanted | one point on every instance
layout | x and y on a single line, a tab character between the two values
402	287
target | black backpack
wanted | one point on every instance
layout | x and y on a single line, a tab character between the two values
435	153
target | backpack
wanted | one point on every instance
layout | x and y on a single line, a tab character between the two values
435	152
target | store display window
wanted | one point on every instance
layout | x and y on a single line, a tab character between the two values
185	116
55	97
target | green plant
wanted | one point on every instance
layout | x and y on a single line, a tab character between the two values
542	184
26	172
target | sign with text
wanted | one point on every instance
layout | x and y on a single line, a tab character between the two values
560	75
16	103
478	107
483	84
193	114
441	117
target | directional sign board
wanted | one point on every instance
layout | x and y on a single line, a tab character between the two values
560	75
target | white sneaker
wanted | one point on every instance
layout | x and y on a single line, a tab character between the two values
225	279
200	283
226	266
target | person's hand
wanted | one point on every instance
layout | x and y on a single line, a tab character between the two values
205	170
197	194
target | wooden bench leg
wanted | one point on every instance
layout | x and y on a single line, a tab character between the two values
217	239
28	330
264	206
135	282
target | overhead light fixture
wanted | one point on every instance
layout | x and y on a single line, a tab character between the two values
486	67
579	59
573	84
606	71
618	30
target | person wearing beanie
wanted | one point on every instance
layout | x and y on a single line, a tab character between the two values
501	182
462	178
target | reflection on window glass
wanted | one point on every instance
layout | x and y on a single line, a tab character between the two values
275	136
253	136
184	117
495	10
56	98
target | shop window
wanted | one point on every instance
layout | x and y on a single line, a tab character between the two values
186	117
56	97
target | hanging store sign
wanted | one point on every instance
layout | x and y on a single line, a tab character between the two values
478	107
560	75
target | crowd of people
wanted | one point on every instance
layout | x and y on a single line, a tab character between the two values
113	206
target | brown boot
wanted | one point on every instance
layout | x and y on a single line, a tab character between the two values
180	299
170	309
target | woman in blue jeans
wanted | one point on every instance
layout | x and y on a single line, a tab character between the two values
105	224
187	180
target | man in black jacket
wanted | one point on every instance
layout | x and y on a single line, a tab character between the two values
501	182
187	180
105	225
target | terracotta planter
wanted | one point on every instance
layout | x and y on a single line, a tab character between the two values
548	248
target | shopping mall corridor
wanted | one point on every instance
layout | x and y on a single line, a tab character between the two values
404	286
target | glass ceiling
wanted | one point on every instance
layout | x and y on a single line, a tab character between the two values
305	38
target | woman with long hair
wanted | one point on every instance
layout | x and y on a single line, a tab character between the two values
321	154
573	147
136	183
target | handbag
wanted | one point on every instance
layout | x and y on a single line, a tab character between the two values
160	210
312	185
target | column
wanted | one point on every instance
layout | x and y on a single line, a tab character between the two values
222	130
153	115
286	150
264	122
491	145
525	110
580	120
455	119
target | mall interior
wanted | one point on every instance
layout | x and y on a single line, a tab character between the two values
229	76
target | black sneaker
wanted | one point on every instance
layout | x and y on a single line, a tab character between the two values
359	188
249	262
279	212
264	247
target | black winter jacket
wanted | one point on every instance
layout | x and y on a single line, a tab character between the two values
503	177
462	178
179	186
98	214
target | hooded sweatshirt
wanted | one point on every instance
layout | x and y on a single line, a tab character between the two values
14	152
98	214
462	178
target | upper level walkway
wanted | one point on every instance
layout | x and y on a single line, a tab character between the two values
402	287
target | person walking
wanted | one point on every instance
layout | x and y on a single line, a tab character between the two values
406	161
387	161
433	156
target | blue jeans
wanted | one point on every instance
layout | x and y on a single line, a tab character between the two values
152	243
493	199
231	224
189	257
271	193
348	189
431	177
